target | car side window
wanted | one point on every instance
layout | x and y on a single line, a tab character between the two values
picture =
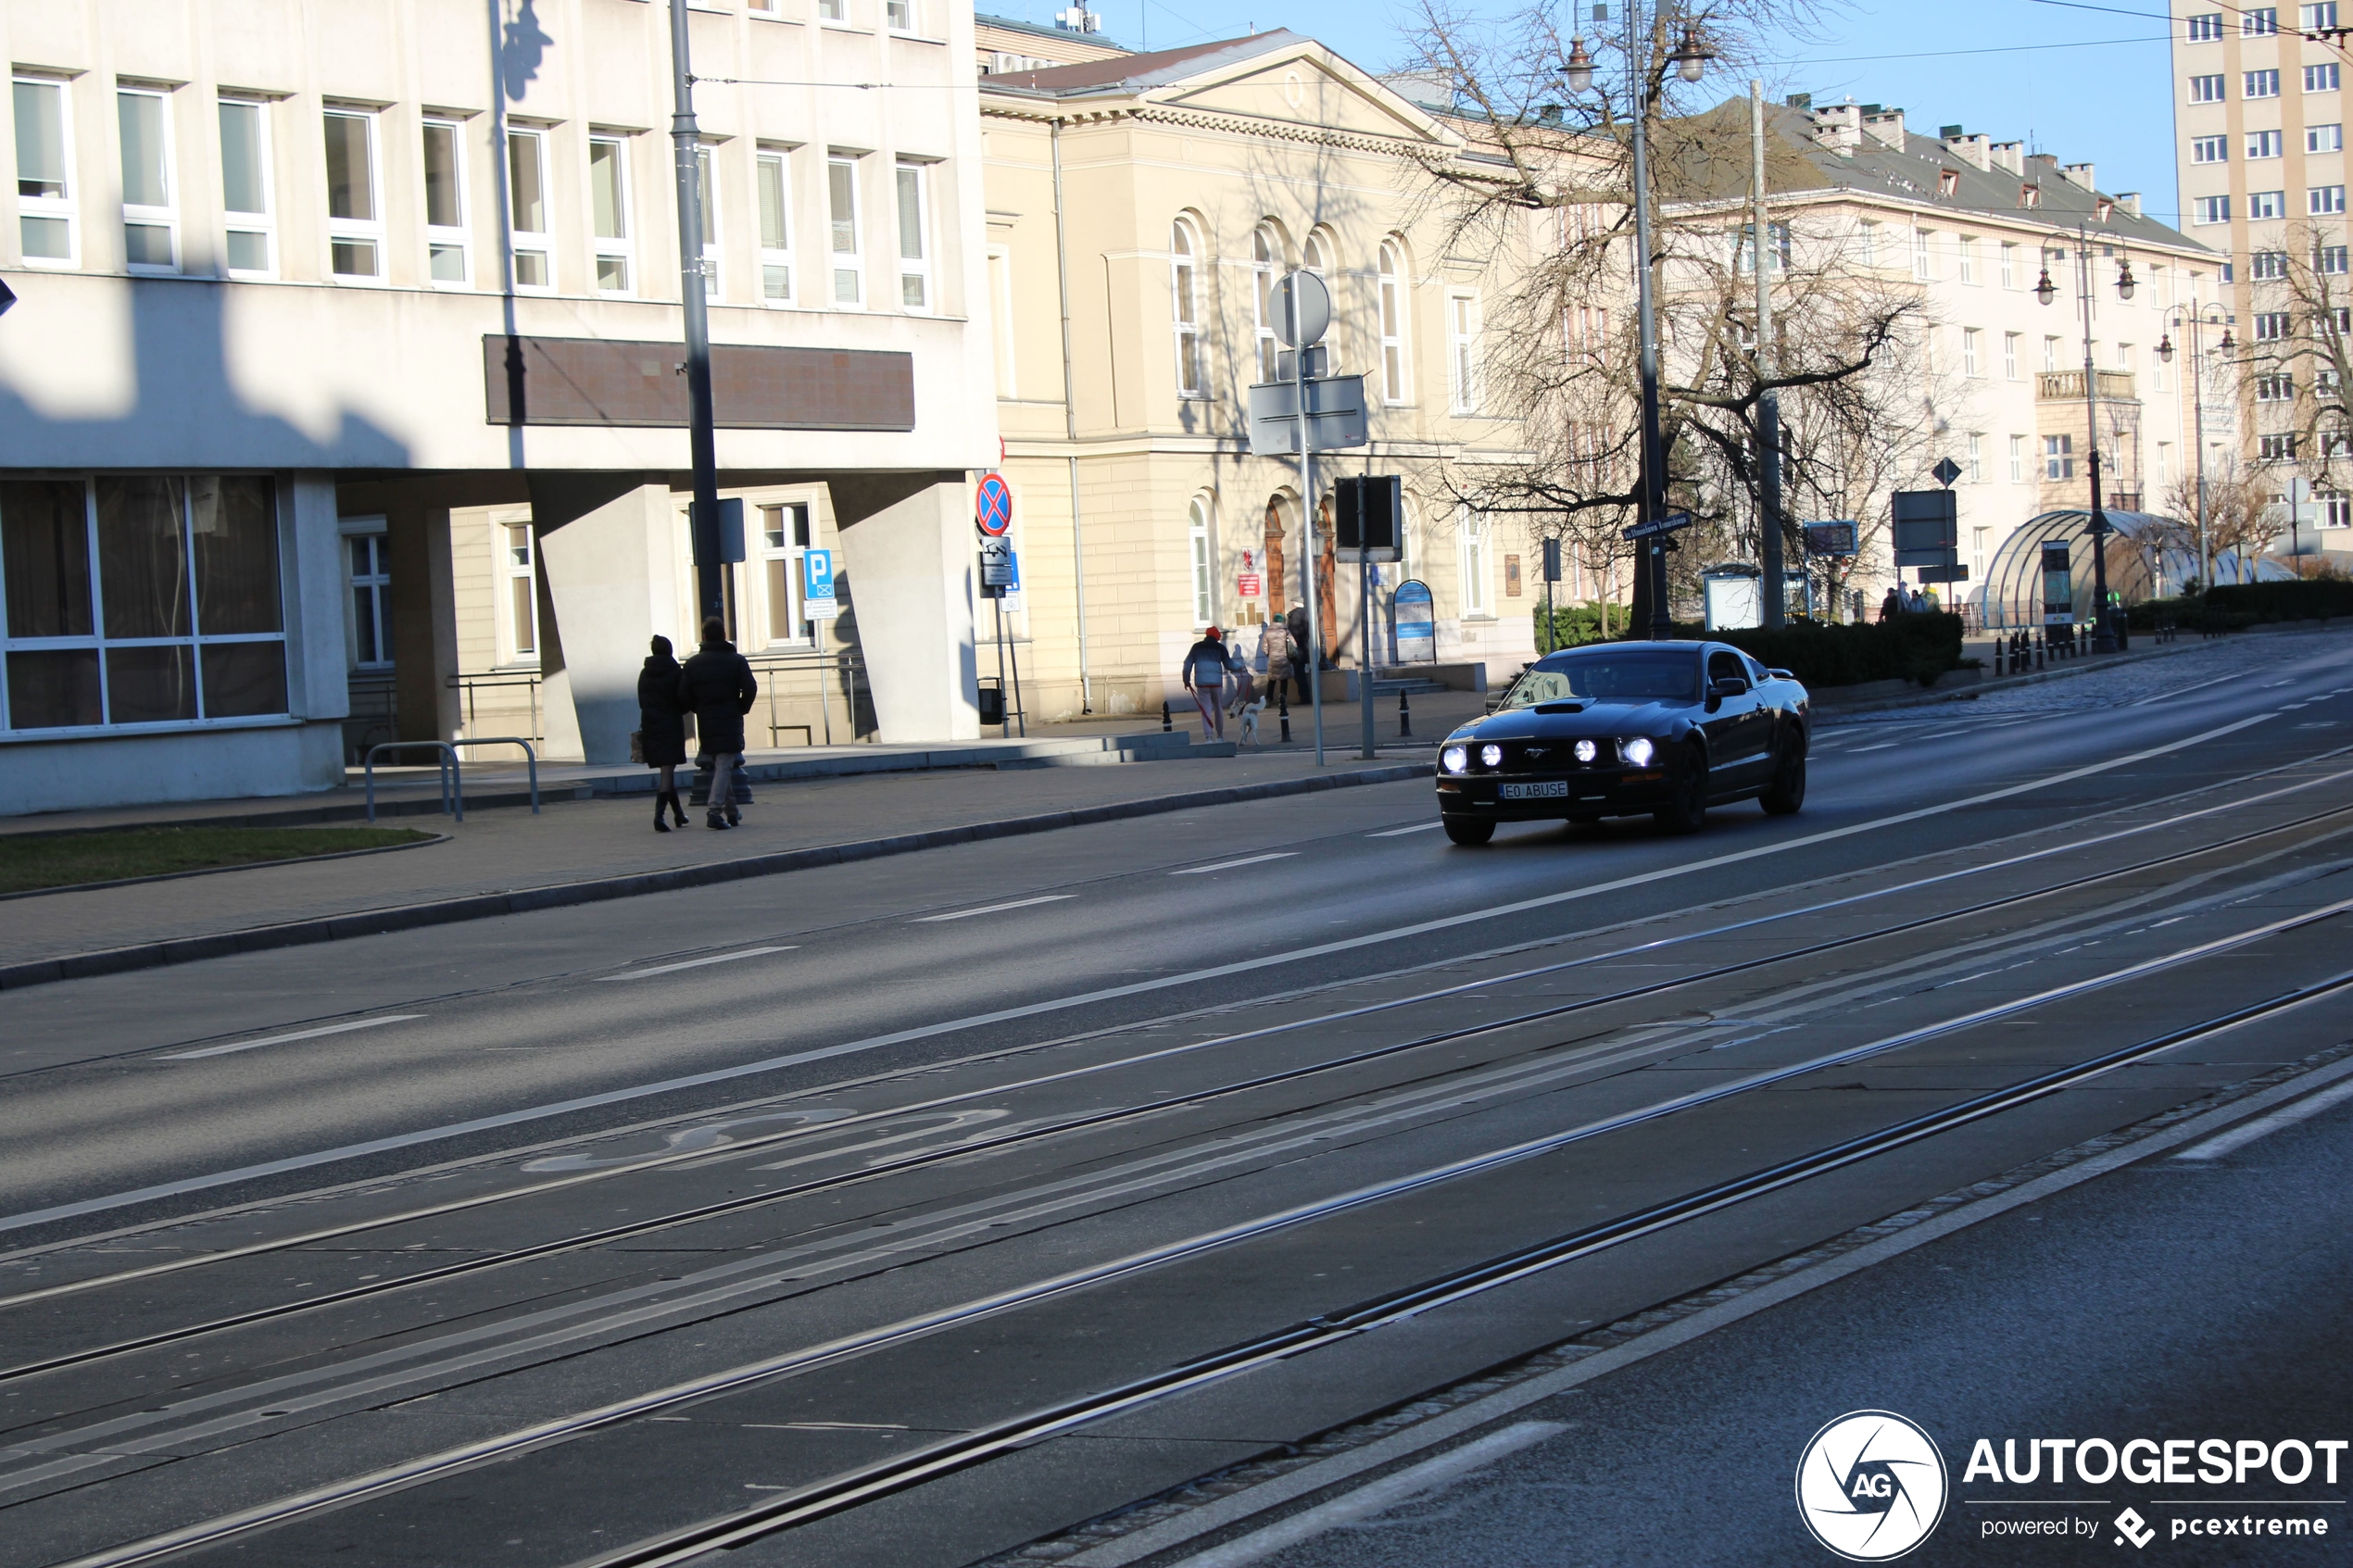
1755	671
1723	665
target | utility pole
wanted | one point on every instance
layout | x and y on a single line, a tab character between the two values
1307	521
687	143
1650	591
1769	402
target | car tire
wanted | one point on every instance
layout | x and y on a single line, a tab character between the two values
1470	830
1786	793
1687	812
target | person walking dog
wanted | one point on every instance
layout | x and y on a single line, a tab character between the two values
662	727
717	688
1204	676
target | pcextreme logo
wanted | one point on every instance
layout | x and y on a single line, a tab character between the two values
1871	1486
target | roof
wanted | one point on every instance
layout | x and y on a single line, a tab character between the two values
1136	72
1037	29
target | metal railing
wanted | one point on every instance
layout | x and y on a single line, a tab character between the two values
835	677
451	771
528	679
530	759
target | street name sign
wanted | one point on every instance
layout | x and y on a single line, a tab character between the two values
1658	525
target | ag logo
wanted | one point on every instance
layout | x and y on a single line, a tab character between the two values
1871	1486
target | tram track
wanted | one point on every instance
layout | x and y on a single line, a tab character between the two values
1113	1116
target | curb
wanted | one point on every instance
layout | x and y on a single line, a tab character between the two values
449	912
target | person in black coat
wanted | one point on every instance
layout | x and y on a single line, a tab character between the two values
662	727
717	686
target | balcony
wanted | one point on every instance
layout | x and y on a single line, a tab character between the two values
2067	386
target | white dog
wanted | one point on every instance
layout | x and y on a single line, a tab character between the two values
1249	713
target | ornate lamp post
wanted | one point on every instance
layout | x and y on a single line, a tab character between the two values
2196	319
2104	627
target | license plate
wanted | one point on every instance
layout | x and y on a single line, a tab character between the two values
1550	789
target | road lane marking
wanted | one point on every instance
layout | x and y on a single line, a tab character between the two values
285	1039
1084	998
1858	750
1400	833
995	909
2287	1116
695	963
2201	686
1229	865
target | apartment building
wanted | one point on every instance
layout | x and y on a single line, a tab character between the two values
1140	208
346	365
2260	119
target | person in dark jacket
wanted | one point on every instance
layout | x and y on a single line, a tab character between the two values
662	727
1303	658
717	686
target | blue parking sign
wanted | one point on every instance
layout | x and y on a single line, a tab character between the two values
817	585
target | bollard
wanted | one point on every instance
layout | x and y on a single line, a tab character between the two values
1282	705
1405	711
1168	724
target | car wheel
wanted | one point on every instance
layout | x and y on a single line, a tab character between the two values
1687	812
1787	792
1470	830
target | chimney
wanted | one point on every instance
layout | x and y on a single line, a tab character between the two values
2078	173
2129	201
1976	151
2010	156
1885	128
1838	128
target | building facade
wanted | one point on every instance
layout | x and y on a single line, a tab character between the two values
342	399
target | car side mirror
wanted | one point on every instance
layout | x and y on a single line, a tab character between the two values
1727	685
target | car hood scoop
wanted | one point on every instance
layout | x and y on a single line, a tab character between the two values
1560	707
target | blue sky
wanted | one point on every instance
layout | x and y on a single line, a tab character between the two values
2082	82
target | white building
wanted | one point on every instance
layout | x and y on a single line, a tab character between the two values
346	361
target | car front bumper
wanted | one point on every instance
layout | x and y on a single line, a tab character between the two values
1588	792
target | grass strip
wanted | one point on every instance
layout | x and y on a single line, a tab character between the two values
28	864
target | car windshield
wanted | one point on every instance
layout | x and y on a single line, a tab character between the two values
1608	677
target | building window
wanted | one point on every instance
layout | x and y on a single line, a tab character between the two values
2164	462
1205	575
355	221
2207	29
371	601
2263	205
1923	254
1969	352
1266	262
2336	512
2159	380
2260	84
775	228
141	599
2324	138
1745	245
2276	388
2329	261
2325	200
448	255
2317	18
2268	265
1976	458
2009	265
831	11
45	178
1474	564
915	244
2017	459
1392	323
609	211
1965	250
1866	243
2211	209
707	200
2263	144
2276	448
1184	306
841	196
2050	353
784	539
527	208
2320	79
1466	360
246	188
2009	355
150	226
900	14
2058	456
2209	149
2263	23
521	555
2206	89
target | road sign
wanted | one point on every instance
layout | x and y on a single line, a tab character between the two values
1927	529
1366	514
1945	471
1945	573
1834	538
817	601
8	297
727	535
1315	307
1551	560
1414	623
1659	525
993	506
997	575
1335	416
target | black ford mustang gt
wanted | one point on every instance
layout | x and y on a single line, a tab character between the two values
1615	729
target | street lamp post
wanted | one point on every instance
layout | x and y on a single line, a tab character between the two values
1689	60
2103	627
685	145
2195	318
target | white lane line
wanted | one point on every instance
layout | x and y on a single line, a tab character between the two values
2201	686
994	909
1083	998
1858	750
1400	833
695	963
2214	1149
1378	1497
297	1034
1229	865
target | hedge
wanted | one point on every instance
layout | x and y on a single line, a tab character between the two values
1915	647
2311	599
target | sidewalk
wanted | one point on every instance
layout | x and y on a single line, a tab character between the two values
503	860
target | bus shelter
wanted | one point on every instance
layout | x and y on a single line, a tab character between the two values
2042	574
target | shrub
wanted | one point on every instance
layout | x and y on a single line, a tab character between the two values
1913	647
2311	599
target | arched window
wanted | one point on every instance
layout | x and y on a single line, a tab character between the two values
1315	256
1184	290
1392	323
1265	265
1205	577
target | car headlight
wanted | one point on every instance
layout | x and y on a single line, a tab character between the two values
1454	758
1638	751
1587	751
1491	755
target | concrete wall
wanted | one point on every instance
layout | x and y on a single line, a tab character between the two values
606	562
909	564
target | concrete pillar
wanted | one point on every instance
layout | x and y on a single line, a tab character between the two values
424	619
908	566
607	581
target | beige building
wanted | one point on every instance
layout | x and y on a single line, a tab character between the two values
1140	206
